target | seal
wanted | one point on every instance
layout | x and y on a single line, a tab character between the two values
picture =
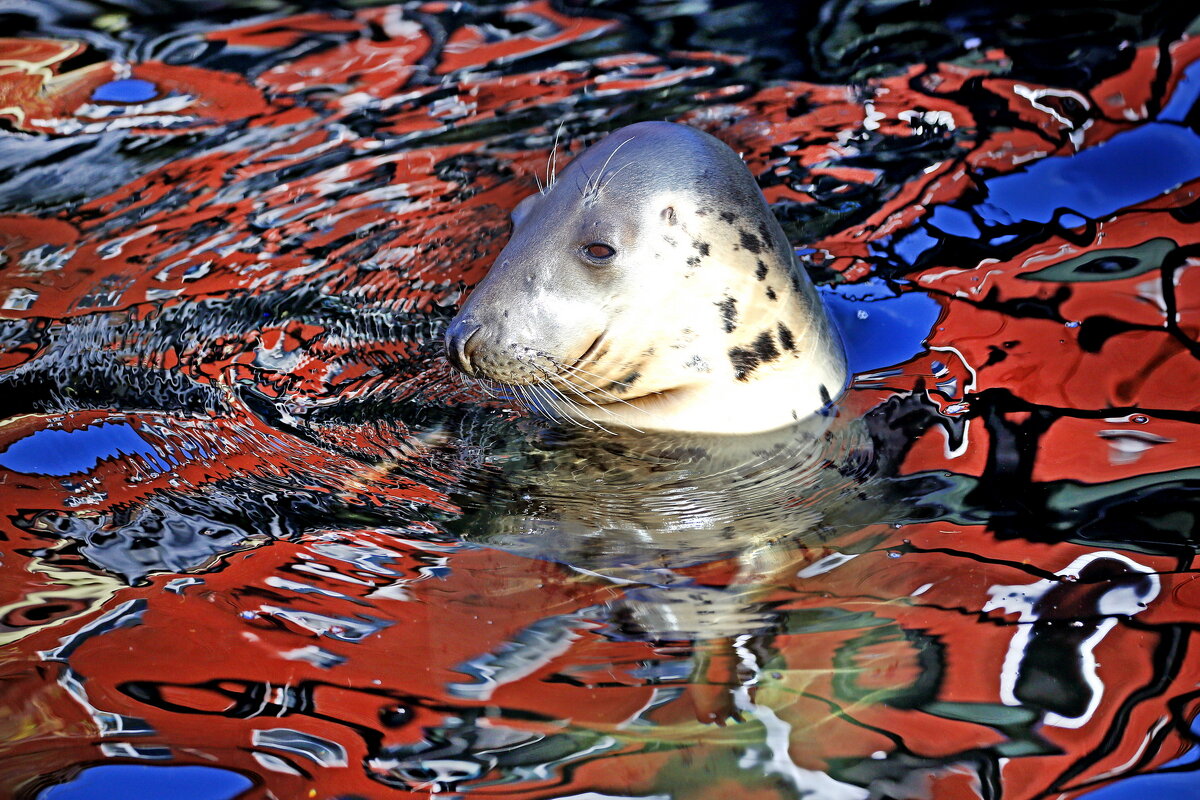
649	287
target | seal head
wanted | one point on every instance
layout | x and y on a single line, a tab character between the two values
650	287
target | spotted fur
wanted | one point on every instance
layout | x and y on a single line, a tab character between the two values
764	234
750	242
764	347
786	340
728	306
744	362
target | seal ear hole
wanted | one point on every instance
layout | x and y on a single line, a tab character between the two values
668	215
599	251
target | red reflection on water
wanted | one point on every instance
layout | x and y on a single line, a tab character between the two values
910	653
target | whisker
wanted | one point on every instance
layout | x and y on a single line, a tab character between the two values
585	398
605	392
570	417
521	393
611	396
558	402
616	172
510	394
539	402
587	360
487	387
552	161
575	368
549	387
592	189
596	422
557	399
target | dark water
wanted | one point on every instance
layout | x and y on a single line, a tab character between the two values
258	541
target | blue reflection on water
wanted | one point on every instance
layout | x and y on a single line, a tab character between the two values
1131	167
128	90
954	221
1187	92
1127	169
1157	784
879	327
55	452
914	244
137	781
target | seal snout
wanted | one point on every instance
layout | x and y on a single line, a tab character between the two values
458	344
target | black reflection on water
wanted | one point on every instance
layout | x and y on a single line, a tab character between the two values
849	41
1153	513
192	532
465	745
157	536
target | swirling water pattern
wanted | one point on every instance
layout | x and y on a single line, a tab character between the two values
259	542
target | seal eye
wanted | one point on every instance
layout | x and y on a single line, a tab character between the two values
599	251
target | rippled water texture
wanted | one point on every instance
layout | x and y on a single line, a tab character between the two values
258	541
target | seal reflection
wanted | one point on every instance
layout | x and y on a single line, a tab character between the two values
693	533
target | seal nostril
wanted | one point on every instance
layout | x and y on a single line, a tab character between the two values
458	347
467	349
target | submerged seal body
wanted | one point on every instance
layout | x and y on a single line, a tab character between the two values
650	287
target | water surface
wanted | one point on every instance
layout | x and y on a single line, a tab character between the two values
258	541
